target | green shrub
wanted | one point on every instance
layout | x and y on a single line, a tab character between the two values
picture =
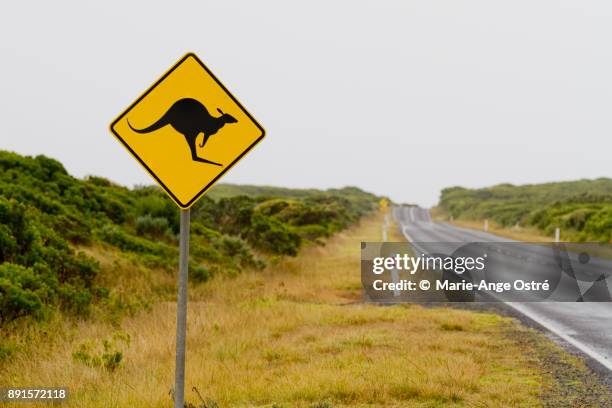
7	351
231	215
599	225
74	299
71	228
271	235
21	292
153	226
38	267
199	273
239	251
107	354
123	240
312	232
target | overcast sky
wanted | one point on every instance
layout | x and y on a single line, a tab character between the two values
401	98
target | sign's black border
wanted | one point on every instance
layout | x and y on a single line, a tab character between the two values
227	167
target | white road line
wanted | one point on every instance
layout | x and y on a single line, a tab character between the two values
542	321
553	329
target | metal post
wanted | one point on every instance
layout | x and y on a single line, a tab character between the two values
557	234
384	230
486	225
395	278
181	312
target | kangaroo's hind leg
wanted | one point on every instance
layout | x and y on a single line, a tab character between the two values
191	141
204	140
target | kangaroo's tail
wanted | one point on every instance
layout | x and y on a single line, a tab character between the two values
163	121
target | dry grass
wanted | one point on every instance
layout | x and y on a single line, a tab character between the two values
293	335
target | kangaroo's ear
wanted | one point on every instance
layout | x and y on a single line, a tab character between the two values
220	111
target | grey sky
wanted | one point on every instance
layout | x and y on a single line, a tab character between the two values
397	97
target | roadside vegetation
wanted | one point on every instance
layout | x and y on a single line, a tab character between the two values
582	209
295	334
276	317
55	230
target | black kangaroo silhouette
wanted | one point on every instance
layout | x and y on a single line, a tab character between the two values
190	118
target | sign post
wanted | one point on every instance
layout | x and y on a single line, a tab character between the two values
187	130
181	310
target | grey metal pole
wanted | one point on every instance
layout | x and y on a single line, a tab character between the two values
181	311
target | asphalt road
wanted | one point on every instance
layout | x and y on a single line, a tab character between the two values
585	325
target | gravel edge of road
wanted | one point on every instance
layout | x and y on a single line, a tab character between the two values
574	378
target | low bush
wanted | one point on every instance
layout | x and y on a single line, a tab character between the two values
582	209
21	292
270	235
45	213
151	226
107	354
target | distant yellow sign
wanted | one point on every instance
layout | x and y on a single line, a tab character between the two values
383	204
187	130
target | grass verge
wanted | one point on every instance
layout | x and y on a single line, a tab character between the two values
294	335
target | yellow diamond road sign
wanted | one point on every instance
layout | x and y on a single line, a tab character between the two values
187	130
